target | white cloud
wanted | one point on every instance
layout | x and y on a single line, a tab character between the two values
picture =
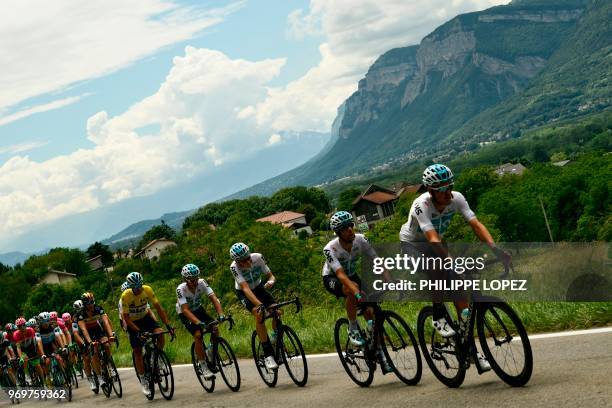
22	147
274	139
356	32
24	113
195	112
46	46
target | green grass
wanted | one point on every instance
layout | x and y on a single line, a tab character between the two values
315	325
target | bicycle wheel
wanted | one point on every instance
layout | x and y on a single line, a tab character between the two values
106	380
504	341
440	353
116	380
400	348
270	377
165	377
134	365
354	360
96	381
208	385
61	380
21	378
73	374
227	364
293	356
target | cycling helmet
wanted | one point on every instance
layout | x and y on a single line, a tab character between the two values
88	298
77	305
239	251
20	321
190	271
436	174
8	327
44	317
53	315
340	220
31	323
66	316
134	280
124	286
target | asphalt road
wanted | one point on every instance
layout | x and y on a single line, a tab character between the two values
569	371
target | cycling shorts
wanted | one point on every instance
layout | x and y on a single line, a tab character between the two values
145	324
260	293
334	286
201	314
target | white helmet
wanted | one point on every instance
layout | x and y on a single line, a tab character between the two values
78	305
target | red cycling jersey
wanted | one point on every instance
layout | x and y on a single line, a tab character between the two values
28	339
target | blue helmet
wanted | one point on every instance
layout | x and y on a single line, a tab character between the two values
134	280
239	251
124	286
436	174
190	271
340	220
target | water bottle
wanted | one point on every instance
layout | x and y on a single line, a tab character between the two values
465	318
370	328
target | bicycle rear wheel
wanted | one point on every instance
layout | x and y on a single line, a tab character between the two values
227	363
439	352
400	348
354	360
165	377
293	356
270	377
208	385
504	341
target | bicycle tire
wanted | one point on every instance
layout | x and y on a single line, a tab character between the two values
521	378
208	385
350	358
439	350
166	391
296	345
223	363
269	377
116	380
392	337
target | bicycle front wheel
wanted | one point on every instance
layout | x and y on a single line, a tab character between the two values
116	381
227	363
293	356
270	377
164	377
504	341
400	348
440	353
353	359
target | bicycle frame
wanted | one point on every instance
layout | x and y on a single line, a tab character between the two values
272	312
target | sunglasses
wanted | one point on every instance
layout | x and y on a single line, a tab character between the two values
347	226
444	188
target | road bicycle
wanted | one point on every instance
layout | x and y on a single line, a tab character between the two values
108	371
157	367
501	335
287	347
219	358
70	369
390	334
59	378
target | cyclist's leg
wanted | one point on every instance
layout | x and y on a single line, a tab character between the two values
137	349
267	299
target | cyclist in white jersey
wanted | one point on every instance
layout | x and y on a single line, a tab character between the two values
191	312
248	269
430	216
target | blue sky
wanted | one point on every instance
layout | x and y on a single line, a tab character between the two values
103	102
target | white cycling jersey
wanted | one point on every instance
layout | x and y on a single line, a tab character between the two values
425	217
185	296
253	275
337	257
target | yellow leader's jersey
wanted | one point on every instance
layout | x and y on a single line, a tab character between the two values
136	306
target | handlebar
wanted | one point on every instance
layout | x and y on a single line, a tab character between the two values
273	308
147	335
227	319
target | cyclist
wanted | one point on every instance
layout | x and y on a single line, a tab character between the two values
248	269
51	339
191	312
7	354
95	327
78	338
56	321
124	286
139	319
27	345
429	218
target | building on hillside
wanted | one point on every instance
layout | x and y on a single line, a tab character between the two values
54	277
154	249
289	219
561	163
95	263
403	187
510	168
375	203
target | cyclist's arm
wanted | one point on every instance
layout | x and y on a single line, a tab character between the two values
435	241
346	281
67	335
107	325
215	301
83	328
162	313
128	321
18	349
39	346
481	232
185	310
244	287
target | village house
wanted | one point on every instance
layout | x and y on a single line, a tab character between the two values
289	219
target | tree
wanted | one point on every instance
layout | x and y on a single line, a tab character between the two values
472	183
98	248
346	198
162	230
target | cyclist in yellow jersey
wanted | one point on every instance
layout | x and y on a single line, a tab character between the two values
138	319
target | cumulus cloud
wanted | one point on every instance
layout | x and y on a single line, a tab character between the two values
196	113
356	32
46	46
